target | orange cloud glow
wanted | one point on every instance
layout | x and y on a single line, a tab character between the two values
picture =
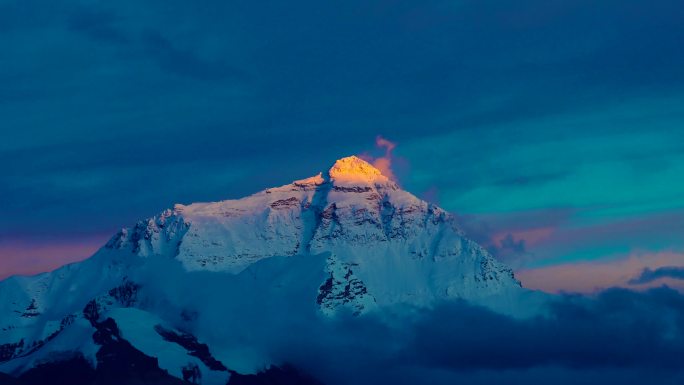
383	163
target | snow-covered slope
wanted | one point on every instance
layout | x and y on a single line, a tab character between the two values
349	240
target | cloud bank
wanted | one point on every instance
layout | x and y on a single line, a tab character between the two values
616	336
619	336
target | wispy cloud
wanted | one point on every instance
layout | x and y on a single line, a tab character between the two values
649	275
637	270
383	162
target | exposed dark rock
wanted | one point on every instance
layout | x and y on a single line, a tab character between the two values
8	351
325	290
73	371
285	203
342	287
118	362
126	294
91	312
330	212
31	310
355	189
194	347
192	373
285	375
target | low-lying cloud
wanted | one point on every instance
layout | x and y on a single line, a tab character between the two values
603	339
616	336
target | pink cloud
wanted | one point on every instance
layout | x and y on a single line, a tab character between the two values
650	226
385	143
383	163
514	238
385	166
590	277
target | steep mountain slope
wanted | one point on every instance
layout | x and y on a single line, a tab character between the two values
349	241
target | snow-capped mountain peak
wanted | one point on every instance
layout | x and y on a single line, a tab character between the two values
349	240
353	169
354	213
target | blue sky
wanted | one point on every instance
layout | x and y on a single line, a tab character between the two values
554	128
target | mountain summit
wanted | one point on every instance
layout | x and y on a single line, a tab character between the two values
354	170
349	242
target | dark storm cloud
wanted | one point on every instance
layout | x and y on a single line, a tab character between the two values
620	334
619	329
650	275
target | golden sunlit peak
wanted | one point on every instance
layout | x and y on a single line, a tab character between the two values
355	169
